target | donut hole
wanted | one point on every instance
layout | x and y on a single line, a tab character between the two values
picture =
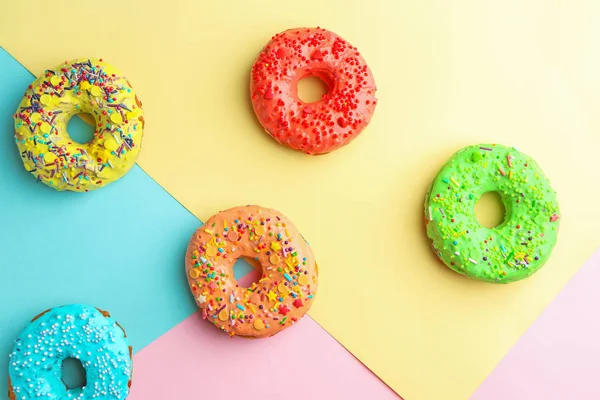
73	374
490	210
312	88
246	271
81	128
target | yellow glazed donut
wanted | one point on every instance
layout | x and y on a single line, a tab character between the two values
83	86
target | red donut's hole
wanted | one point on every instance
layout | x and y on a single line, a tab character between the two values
313	85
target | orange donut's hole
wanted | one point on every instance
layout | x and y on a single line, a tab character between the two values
243	278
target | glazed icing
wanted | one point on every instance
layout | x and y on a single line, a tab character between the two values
323	126
520	245
83	86
288	282
73	331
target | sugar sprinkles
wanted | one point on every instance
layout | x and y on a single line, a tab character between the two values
287	285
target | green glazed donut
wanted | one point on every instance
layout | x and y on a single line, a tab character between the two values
516	248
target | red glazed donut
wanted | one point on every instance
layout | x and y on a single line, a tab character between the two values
328	124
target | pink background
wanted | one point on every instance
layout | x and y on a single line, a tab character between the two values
559	355
301	363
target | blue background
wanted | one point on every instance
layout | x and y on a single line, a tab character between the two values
120	248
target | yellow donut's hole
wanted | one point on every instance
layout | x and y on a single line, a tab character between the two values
81	128
489	210
311	89
73	373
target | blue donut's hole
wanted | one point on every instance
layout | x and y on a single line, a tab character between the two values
490	210
246	271
73	374
81	128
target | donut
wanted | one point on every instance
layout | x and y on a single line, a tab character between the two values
328	124
75	331
516	248
89	86
267	239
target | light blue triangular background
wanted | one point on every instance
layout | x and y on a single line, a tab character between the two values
120	248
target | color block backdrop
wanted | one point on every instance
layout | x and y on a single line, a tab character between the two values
449	74
122	249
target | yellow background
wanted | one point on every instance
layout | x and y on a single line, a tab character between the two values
450	73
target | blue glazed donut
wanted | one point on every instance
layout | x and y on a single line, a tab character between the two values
74	331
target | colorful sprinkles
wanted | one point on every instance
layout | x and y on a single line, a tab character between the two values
323	126
83	86
287	285
74	331
516	248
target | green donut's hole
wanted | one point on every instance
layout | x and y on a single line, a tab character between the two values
490	210
80	128
73	374
312	88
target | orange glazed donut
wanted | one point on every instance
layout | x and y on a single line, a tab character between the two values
328	124
288	283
